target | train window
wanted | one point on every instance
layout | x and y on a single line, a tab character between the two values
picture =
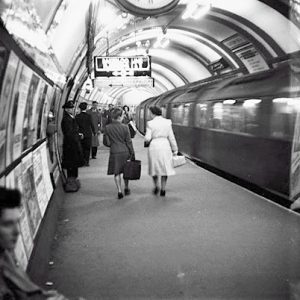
229	115
251	122
176	113
233	116
283	116
181	113
186	114
164	111
201	115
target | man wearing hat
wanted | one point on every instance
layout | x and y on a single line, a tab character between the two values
87	128
72	151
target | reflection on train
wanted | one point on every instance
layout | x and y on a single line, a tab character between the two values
240	125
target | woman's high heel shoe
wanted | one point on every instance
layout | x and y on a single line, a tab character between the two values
120	196
155	190
163	193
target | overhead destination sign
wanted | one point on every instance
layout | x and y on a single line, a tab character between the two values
102	82
122	66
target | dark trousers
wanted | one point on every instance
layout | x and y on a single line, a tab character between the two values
94	151
86	149
86	154
72	172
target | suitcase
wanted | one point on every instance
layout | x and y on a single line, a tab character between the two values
132	170
178	161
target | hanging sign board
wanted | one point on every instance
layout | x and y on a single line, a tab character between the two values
132	81
122	66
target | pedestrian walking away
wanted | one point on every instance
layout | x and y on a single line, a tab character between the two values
163	145
121	149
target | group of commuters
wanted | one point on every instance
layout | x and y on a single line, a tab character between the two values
14	282
117	129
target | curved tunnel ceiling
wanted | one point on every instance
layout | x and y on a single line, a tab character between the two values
196	44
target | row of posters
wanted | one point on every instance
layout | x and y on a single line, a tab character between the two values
32	178
24	103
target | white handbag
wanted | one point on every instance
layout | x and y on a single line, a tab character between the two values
178	161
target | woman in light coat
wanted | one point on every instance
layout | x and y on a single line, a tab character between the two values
162	146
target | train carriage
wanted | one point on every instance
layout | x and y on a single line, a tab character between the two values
242	126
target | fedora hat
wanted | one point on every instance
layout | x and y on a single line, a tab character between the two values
68	104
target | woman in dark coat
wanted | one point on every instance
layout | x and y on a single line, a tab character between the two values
128	120
72	151
121	149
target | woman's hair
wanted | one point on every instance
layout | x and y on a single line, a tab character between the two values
155	110
116	113
126	106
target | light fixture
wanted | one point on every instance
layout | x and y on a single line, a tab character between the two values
229	101
162	39
195	10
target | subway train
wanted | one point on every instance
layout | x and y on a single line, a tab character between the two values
242	125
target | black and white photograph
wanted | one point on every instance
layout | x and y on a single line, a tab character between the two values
150	149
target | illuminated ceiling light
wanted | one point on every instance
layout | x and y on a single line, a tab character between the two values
229	102
124	14
251	103
280	100
162	39
106	15
164	42
201	11
195	11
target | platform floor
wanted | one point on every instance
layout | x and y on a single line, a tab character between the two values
207	239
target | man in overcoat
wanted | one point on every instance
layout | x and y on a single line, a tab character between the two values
72	151
87	129
97	123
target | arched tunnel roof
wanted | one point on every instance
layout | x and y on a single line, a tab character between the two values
233	36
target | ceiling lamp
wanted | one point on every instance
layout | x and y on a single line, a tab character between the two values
162	39
195	10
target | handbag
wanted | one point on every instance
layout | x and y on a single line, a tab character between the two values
178	160
132	129
132	170
106	141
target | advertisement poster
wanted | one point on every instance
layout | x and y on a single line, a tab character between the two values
13	115
252	59
5	103
28	115
45	169
4	52
295	162
39	111
14	180
10	180
41	192
29	194
21	254
19	117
